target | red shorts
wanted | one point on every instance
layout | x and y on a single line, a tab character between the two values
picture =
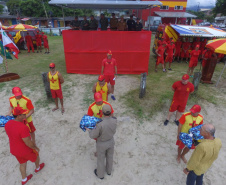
185	55
193	63
160	60
31	127
169	58
46	45
109	78
177	53
32	156
38	43
181	145
177	106
57	93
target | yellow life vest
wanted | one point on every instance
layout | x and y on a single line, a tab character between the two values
54	81
97	109
103	90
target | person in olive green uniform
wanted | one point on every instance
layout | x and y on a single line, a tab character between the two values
104	133
93	23
122	24
85	24
113	22
75	24
103	22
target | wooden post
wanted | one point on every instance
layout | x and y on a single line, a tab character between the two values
46	84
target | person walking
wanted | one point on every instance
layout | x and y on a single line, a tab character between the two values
21	146
203	156
29	42
104	134
182	90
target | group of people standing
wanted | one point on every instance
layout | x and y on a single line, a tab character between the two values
114	23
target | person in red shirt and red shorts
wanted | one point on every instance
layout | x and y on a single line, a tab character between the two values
181	89
194	60
160	57
38	42
109	70
21	145
170	51
29	41
178	45
185	49
46	43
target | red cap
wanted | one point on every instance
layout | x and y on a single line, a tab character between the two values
101	78
172	41
37	31
98	97
197	46
196	108
109	52
43	33
185	77
164	42
51	65
18	111
17	91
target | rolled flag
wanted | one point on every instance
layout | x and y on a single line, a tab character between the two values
89	122
4	120
195	131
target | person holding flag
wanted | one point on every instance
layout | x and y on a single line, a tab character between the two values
28	39
46	44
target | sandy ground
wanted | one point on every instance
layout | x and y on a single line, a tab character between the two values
145	153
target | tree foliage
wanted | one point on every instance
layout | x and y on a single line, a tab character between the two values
220	7
1	8
36	8
200	15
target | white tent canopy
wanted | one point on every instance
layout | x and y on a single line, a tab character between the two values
95	4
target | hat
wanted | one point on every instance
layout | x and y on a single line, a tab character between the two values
106	109
109	52
37	31
98	97
17	91
197	46
196	108
18	111
43	33
101	78
164	42
185	77
172	41
51	65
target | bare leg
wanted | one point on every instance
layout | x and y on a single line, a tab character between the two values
169	64
179	154
56	102
62	105
178	115
33	137
37	162
156	66
188	71
23	170
169	115
112	89
186	150
192	69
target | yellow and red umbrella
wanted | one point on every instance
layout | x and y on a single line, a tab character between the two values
3	27
20	27
217	45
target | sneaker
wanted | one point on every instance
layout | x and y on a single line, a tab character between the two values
95	172
48	52
45	52
191	76
28	178
169	69
166	122
176	122
37	52
113	97
41	166
156	70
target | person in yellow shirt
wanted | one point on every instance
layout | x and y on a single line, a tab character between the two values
56	79
203	156
188	120
102	87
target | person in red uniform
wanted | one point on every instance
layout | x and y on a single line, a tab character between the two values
182	90
195	43
170	40
206	54
170	51
185	49
160	57
203	45
219	57
29	42
109	70
21	145
46	43
38	42
160	41
194	60
178	45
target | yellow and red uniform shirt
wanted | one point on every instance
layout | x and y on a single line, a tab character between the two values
103	90
188	121
96	110
54	81
23	102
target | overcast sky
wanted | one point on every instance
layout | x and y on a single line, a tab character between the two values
202	2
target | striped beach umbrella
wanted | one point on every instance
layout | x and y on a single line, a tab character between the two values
3	27
20	27
217	45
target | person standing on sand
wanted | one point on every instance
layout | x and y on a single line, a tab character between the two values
203	156
188	120
56	79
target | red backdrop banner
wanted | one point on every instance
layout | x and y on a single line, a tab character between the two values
85	50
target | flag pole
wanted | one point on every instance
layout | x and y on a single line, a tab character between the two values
6	64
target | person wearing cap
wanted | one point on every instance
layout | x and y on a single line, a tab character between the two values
38	38
56	79
113	22
170	40
138	25
85	23
195	43
206	54
203	45
203	156
170	51
21	146
193	61
19	100
104	133
109	70
178	45
75	24
185	49
188	120
103	22
29	43
102	87
219	57
182	90
131	24
93	23
95	109
160	57
46	43
122	24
